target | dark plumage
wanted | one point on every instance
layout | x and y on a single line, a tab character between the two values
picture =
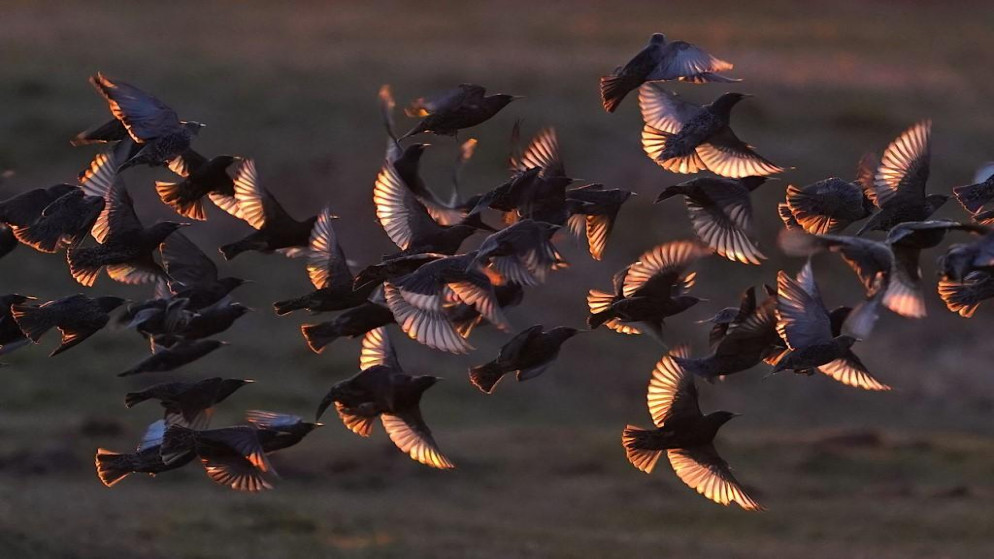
973	197
685	434
963	258
63	223
173	357
528	355
830	205
77	317
275	229
663	61
202	177
190	404
522	253
465	317
232	456
451	111
24	209
11	336
686	138
965	295
277	431
352	323
382	389
193	275
721	214
112	467
593	212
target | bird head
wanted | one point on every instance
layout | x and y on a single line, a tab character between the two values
160	231
957	262
684	302
674	190
501	100
723	105
230	385
238	309
193	126
657	39
233	283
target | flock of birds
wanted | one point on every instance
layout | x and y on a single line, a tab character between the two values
437	295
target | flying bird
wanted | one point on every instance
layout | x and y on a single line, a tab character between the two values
962	258
451	111
112	467
232	456
193	275
202	178
352	323
662	61
528	355
964	296
682	137
171	358
973	197
593	213
77	317
522	253
190	404
686	434
830	205
277	431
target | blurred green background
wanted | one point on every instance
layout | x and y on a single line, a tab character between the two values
540	468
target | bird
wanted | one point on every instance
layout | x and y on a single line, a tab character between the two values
190	404
721	214
962	258
649	290
77	317
660	60
682	137
179	354
462	107
973	197
382	389
403	171
352	323
464	317
813	335
963	296
24	209
63	223
830	205
329	272
418	300
528	354
276	230
193	276
112	467
521	253
232	456
11	336
541	194
686	434
157	131
899	182
202	178
277	431
593	213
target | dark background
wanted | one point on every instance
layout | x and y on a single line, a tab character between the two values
540	469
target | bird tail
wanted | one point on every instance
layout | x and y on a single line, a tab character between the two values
133	398
973	197
613	91
43	235
805	211
172	195
112	467
486	377
285	307
318	336
33	321
84	265
963	297
638	443
787	217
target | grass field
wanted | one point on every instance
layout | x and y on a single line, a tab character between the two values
540	469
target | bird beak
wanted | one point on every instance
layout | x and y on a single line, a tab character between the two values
224	343
248	381
319	424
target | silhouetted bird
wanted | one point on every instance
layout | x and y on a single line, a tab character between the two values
63	223
202	177
830	205
648	291
451	111
193	275
382	389
275	229
541	196
160	134
962	258
593	211
232	456
685	434
686	138
212	320
662	61
393	267
190	404
277	431
973	197
77	317
418	300
528	355
721	213
965	295
11	336
464	317
24	209
112	467
813	335
522	253
351	323
403	171
173	357
899	183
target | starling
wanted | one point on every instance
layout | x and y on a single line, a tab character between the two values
77	317
150	123
232	456
382	389
25	208
649	290
813	335
662	61
201	177
522	253
190	404
212	320
352	323
418	300
393	267
277	431
464	317
112	467
962	258
451	111
174	357
829	206
965	295
403	172
686	138
11	336
193	275
593	211
63	223
528	355
899	183
973	197
8	241
275	229
126	247
685	434
721	213
541	196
